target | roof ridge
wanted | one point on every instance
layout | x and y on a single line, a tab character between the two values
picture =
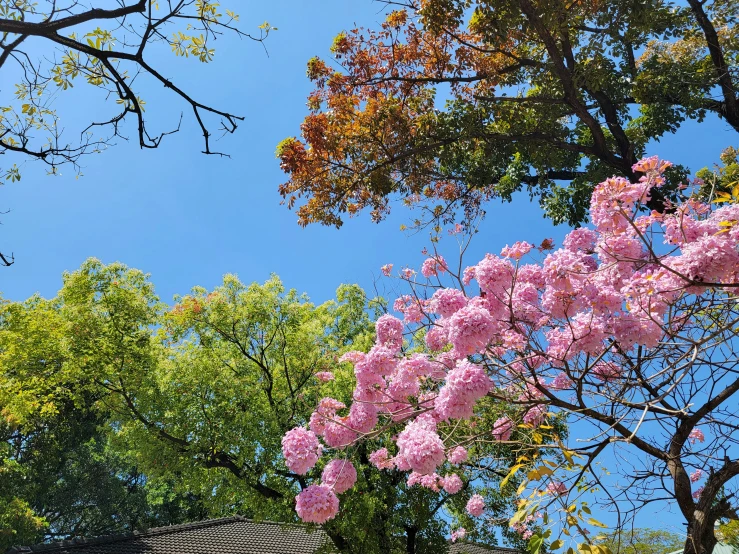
154	531
486	546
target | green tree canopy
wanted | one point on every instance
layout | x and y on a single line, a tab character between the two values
644	541
451	103
196	397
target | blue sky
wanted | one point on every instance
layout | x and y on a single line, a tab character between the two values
188	219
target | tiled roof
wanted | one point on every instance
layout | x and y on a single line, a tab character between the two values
468	548
232	535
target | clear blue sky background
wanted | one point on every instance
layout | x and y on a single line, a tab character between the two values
188	219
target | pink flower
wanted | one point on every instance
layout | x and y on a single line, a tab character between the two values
339	475
408	273
433	266
338	433
453	483
534	416
400	463
581	239
476	506
432	481
381	459
557	488
447	301
696	476
380	360
417	365
325	376
437	337
420	446
517	251
606	371
410	307
362	417
458	534
697	493
502	429
389	332
301	450
387	269
325	412
561	382
471	329
494	275
353	357
457	455
465	385
317	504
696	435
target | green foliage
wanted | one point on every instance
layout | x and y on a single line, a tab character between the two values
544	99
644	541
721	184
105	48
729	533
179	411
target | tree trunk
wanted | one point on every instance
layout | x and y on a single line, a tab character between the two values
410	540
701	538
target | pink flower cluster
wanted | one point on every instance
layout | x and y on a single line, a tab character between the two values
557	488
453	483
471	329
503	428
457	455
317	504
389	332
301	449
340	475
420	446
517	251
531	330
475	505
458	534
465	385
381	459
433	266
325	376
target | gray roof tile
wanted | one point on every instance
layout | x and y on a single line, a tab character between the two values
469	548
232	535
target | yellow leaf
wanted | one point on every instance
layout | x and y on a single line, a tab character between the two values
521	488
559	543
511	473
593	521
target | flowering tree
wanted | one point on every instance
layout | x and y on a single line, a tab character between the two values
175	413
627	333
